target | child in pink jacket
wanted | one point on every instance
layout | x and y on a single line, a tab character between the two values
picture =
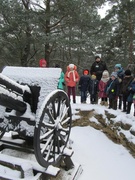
101	86
71	79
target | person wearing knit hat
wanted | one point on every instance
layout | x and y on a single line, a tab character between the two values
71	78
83	85
128	78
98	67
42	63
102	85
114	74
93	89
61	82
120	73
112	90
128	72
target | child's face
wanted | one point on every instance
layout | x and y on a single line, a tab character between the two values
104	76
116	69
113	77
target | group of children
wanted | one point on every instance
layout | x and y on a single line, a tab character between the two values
115	90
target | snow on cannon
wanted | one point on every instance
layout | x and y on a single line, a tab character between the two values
32	106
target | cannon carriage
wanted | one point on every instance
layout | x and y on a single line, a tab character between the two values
33	107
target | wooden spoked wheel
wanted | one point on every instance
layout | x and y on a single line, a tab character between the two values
53	129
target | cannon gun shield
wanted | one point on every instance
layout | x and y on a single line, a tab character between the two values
53	128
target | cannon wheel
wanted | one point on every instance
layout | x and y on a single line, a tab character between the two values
53	129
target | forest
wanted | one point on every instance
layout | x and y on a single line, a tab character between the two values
66	31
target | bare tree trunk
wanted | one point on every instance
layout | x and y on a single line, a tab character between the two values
26	51
47	32
131	40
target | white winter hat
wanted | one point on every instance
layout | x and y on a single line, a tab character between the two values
105	73
71	66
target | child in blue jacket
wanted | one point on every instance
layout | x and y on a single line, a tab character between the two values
93	89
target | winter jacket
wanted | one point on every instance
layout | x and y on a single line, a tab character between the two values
93	86
125	83
61	81
112	88
97	68
84	81
71	77
131	89
101	86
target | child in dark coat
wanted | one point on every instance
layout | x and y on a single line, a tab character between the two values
112	91
83	85
93	89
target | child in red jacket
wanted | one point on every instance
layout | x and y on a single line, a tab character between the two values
71	79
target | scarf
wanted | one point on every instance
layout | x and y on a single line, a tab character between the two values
105	79
68	75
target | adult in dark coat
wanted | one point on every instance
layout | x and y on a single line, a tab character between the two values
131	89
120	73
98	67
83	85
124	89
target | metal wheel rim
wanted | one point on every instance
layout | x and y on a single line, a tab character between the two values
52	133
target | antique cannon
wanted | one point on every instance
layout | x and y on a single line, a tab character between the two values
32	106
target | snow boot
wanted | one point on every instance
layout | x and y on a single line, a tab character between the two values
102	103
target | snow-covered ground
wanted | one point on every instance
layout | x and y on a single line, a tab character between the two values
100	158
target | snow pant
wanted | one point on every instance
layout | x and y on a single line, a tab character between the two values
94	98
129	107
125	96
83	96
104	99
113	104
71	90
120	101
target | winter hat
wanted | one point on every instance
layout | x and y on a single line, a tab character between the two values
86	72
93	76
114	74
57	66
118	66
128	72
105	73
71	66
42	63
97	57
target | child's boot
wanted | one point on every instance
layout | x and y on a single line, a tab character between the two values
102	103
106	103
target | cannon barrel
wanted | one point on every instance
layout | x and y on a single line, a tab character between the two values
12	85
11	94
